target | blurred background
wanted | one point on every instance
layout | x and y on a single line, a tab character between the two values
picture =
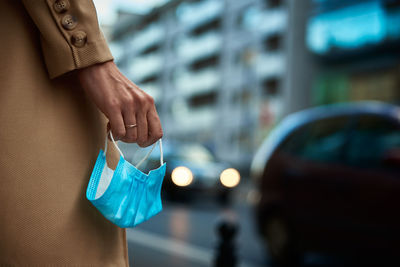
281	128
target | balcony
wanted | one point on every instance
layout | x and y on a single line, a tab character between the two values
189	83
195	14
197	120
145	66
264	21
271	64
148	37
193	48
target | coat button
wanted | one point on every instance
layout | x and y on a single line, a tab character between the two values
79	38
60	6
69	22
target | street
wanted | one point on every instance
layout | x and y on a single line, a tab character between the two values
185	235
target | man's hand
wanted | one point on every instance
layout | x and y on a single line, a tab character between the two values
123	102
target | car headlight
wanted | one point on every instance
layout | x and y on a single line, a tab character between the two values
230	177
182	176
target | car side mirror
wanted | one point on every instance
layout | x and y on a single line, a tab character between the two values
392	157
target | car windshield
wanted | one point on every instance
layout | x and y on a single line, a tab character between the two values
321	140
195	153
374	138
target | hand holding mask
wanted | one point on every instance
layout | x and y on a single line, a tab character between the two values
126	196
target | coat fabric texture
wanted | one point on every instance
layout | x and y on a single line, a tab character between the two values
50	136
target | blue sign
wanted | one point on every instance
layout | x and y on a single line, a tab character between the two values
353	27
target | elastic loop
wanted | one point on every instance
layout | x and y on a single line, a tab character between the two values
161	153
115	144
105	145
145	157
151	150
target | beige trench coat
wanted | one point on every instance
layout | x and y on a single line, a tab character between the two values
50	136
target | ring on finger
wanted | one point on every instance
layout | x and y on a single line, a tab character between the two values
129	126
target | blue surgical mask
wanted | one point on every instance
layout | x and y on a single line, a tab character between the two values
126	196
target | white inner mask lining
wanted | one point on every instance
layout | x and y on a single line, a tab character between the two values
105	181
107	173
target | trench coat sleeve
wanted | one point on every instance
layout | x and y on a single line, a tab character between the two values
61	50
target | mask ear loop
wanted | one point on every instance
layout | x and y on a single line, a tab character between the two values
145	157
151	150
161	153
115	144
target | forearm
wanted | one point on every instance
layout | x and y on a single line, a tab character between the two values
70	34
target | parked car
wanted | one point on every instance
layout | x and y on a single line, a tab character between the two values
192	172
329	181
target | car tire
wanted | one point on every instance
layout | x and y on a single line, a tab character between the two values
280	242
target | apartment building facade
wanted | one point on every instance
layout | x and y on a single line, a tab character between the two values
214	67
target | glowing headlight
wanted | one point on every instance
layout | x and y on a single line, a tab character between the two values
182	176
230	177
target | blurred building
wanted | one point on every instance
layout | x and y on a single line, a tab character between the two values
214	67
343	50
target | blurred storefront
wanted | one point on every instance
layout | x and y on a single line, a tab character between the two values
215	69
341	51
356	48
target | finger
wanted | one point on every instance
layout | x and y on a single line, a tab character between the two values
131	132
117	125
142	129
155	129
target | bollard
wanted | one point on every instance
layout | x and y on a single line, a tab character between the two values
226	249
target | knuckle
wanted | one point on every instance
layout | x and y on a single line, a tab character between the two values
142	140
158	134
131	87
114	104
120	133
140	99
142	144
150	100
146	100
128	100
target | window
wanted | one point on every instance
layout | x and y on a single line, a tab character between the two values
149	79
155	16
211	25
274	3
322	140
205	62
151	49
271	86
294	143
202	100
273	42
373	138
194	153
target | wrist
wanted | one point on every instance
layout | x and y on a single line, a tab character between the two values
94	70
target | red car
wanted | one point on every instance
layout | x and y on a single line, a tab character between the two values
329	181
